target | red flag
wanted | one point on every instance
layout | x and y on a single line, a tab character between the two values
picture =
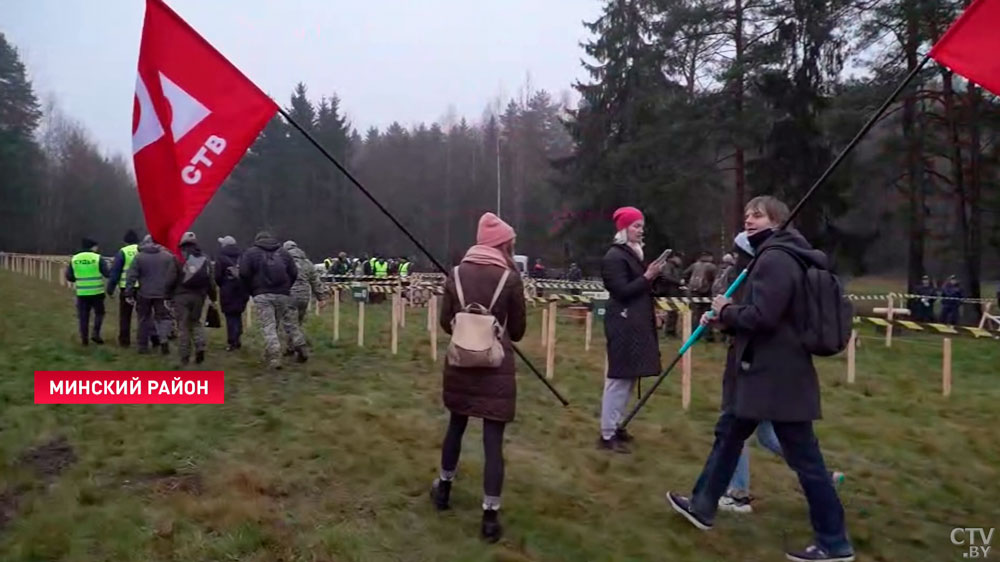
195	115
971	45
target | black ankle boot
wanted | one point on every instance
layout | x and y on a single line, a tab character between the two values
199	357
441	494
491	530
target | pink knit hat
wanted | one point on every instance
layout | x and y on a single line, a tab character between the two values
626	216
493	232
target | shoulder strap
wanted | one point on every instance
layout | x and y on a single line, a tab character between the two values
499	289
458	288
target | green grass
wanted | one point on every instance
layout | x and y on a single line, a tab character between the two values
332	461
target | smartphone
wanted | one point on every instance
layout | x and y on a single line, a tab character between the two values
666	254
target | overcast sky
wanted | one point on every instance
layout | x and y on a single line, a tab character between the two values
405	60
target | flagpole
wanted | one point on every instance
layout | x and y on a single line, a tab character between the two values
795	211
405	231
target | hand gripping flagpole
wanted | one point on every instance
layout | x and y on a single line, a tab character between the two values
791	216
405	231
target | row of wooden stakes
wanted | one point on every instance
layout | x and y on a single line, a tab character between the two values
49	269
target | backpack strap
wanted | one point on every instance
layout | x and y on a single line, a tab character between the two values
499	289
458	288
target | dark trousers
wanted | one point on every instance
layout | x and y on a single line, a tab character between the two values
124	321
802	454
154	320
234	328
84	304
492	446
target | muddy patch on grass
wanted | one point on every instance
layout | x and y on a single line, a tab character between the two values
49	459
166	482
46	461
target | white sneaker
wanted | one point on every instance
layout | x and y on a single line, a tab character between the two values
735	505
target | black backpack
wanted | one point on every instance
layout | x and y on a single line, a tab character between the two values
196	272
829	315
273	270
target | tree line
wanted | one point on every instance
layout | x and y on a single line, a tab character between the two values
690	108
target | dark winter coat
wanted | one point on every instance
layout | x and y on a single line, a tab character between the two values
488	393
252	264
769	376
155	270
233	296
629	319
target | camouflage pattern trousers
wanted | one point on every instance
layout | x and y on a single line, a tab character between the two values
188	309
272	310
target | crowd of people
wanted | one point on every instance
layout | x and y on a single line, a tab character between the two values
769	386
374	266
167	292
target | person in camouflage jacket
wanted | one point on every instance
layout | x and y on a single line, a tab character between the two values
306	284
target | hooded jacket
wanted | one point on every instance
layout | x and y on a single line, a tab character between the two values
155	269
253	266
232	295
769	376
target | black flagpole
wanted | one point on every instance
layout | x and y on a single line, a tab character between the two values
795	211
407	233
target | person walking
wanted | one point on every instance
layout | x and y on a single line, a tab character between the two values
149	285
488	277
193	285
267	273
233	296
87	270
307	284
770	377
116	280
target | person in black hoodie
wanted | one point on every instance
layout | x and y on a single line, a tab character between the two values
268	272
233	296
770	376
194	283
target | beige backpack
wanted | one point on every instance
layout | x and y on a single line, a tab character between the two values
476	336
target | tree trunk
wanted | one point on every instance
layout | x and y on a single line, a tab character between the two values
973	249
914	171
740	166
958	178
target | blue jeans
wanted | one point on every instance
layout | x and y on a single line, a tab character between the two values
767	439
801	452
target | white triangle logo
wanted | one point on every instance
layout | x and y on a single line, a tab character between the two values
187	111
148	130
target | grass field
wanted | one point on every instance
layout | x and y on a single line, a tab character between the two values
332	461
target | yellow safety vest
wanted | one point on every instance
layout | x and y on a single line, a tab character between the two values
129	252
87	270
404	269
381	269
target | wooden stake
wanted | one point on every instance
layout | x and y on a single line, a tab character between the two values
550	356
430	312
852	356
686	363
361	323
249	311
336	315
588	330
395	323
432	306
545	326
946	369
888	329
402	309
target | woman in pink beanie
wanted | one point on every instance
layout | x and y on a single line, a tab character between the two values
486	274
629	324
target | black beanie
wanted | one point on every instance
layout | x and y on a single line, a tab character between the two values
87	243
131	237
